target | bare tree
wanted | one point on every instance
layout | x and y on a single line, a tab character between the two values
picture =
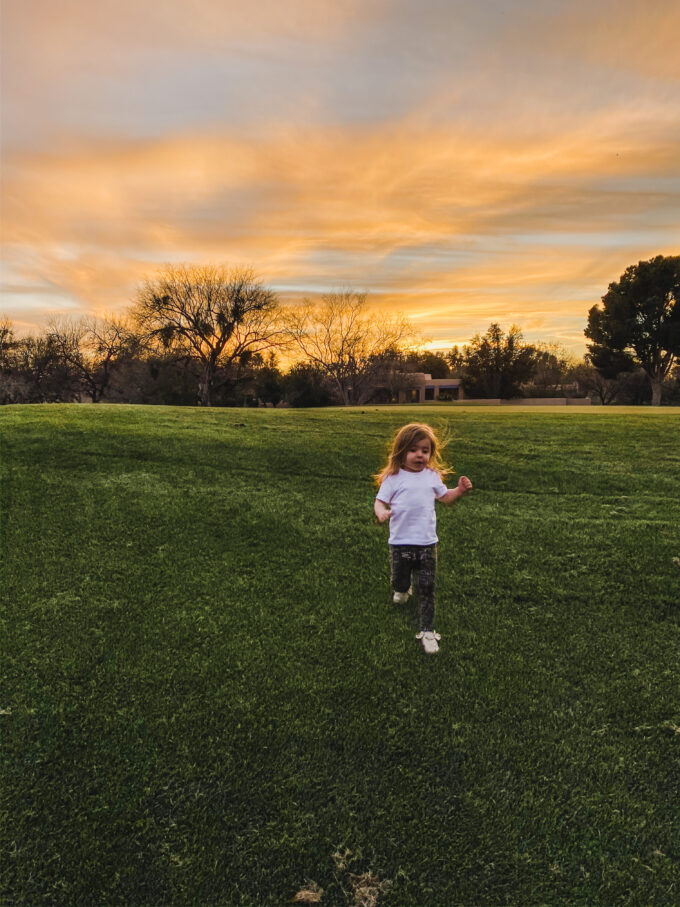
13	385
8	343
214	315
40	373
91	347
594	384
345	342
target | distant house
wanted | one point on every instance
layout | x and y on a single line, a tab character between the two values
425	387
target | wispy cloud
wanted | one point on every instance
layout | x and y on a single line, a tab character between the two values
458	162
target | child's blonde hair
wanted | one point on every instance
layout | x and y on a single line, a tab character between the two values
404	439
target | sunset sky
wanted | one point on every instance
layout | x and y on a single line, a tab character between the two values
462	162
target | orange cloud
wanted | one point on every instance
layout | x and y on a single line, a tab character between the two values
453	227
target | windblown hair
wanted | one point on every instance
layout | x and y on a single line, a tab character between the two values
403	440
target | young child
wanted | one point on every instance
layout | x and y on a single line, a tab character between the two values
409	484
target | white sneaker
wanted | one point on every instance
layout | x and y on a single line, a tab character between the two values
400	598
430	641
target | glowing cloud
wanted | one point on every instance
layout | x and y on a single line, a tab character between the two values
457	163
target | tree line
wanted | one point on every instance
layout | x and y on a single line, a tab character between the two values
210	335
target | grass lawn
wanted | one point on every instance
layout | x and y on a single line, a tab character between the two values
206	692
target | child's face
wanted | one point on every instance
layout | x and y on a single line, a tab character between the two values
418	455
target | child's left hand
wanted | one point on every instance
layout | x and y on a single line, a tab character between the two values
464	485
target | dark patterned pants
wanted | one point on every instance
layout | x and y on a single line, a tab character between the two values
405	560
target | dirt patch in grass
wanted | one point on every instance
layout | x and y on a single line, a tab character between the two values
361	889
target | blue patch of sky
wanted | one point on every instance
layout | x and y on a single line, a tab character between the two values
377	270
661	185
243	88
438	253
22	300
590	240
337	270
297	286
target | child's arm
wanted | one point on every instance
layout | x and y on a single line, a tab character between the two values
464	485
381	510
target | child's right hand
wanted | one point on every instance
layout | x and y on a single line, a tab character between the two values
382	510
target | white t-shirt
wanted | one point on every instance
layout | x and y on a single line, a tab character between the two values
411	496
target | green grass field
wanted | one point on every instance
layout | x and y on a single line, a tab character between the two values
206	692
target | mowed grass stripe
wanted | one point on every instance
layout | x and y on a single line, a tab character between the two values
206	690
